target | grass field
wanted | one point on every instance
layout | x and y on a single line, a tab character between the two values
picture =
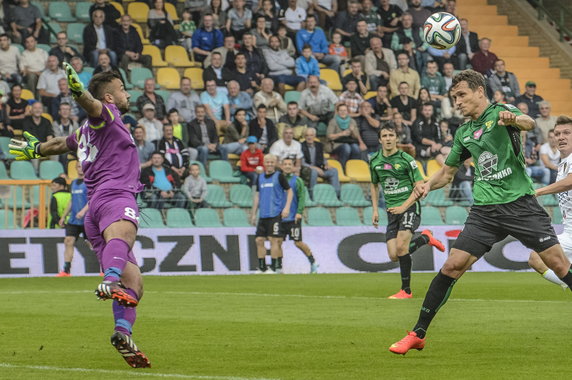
495	325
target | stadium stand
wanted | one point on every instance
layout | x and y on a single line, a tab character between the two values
235	217
319	216
51	169
178	218
150	218
347	216
207	217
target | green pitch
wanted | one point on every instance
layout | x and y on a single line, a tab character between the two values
495	325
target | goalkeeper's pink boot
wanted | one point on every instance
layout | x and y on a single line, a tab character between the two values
411	341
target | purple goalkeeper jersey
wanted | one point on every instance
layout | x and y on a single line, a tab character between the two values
107	153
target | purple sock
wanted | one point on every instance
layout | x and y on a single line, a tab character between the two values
114	259
125	316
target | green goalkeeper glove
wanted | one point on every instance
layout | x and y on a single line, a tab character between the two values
75	85
25	150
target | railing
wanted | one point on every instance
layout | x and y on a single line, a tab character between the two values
22	202
558	18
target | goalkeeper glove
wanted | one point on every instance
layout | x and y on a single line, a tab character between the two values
25	150
75	85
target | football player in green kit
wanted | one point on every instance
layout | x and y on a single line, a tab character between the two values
505	202
398	174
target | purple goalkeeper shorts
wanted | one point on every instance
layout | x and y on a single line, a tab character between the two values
105	209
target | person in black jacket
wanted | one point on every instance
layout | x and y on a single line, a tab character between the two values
203	136
467	46
161	184
129	46
111	13
174	151
426	136
92	46
216	71
254	58
313	159
263	128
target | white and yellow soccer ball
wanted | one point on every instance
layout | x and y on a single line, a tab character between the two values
442	30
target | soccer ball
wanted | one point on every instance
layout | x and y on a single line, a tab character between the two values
442	30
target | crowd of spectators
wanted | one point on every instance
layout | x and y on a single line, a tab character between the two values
252	53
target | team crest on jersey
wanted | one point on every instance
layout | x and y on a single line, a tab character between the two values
397	166
489	124
477	134
487	163
391	184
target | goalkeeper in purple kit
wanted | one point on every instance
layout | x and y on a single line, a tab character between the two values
109	160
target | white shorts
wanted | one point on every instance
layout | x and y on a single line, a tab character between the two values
565	240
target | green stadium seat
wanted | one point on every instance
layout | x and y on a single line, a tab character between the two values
22	170
165	94
40	6
241	195
207	217
548	200
135	94
203	172
4	142
221	171
3	172
82	11
437	198
178	218
319	216
216	196
51	169
151	218
235	217
15	198
44	47
325	195
352	195
75	32
292	96
455	215
126	82
60	11
6	219
431	216
347	216
139	75
309	201
368	211
556	215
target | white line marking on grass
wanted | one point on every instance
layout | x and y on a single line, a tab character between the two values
278	295
129	373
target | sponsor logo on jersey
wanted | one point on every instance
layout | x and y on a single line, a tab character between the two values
270	184
387	167
413	164
466	138
477	134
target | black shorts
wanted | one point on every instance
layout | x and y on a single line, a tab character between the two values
293	230
75	230
524	219
409	220
269	227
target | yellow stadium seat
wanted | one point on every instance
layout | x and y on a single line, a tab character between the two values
358	170
432	167
155	53
72	169
118	6
421	170
196	76
144	40
172	11
333	79
177	56
169	78
138	11
369	95
338	166
27	94
48	116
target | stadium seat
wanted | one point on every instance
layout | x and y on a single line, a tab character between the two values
82	11
202	170
431	216
292	96
118	6
368	211
421	169
6	219
333	79
44	47
172	11
60	11
27	94
455	215
156	57
75	32
135	94
556	215
165	94
207	217
196	76
319	216
16	198
139	75
358	170
150	218
221	171
309	201
325	195
126	82
4	142
432	167
216	196
352	195
241	195
548	200
338	166
22	170
177	56
138	11
48	116
347	216
72	169
144	39
168	77
40	7
50	169
436	198
369	95
3	172
235	217
178	218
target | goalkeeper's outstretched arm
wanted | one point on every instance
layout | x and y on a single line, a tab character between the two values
53	147
31	148
92	106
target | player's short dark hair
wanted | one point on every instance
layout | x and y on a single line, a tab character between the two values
388	127
474	79
99	83
563	119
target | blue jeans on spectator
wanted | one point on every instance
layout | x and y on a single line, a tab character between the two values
94	55
466	191
539	173
252	177
204	153
234	147
332	61
347	151
290	80
331	175
156	201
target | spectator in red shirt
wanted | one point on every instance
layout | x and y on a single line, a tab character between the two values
484	60
252	161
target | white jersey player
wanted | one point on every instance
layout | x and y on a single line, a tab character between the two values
563	188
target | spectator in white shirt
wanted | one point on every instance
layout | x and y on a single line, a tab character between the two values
32	62
287	147
293	17
9	58
545	121
550	155
153	127
47	86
